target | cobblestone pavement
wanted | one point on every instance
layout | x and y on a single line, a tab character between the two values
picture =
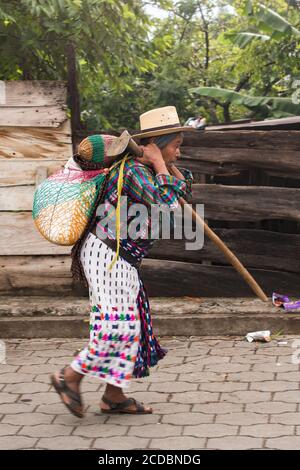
208	393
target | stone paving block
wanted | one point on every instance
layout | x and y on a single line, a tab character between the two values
8	429
274	386
225	344
223	386
181	369
271	407
276	367
41	398
207	360
60	361
150	397
37	369
139	387
195	397
197	377
286	418
235	352
57	443
172	387
20	361
99	430
245	396
52	408
32	387
251	376
234	443
217	408
187	418
38	346
289	376
43	378
155	430
157	377
267	430
16	442
274	351
8	397
89	419
253	359
133	420
284	442
8	368
172	360
210	430
227	367
11	378
27	419
288	396
18	354
242	419
46	430
12	408
178	443
191	352
286	359
54	353
126	443
169	408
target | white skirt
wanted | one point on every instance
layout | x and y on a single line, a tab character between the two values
115	324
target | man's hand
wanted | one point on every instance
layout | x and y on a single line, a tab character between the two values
152	156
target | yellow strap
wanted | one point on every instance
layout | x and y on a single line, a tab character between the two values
118	208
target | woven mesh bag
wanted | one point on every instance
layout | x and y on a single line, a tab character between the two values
64	202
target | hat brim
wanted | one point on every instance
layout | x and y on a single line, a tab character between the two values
158	132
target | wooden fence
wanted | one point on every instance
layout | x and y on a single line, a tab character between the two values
248	181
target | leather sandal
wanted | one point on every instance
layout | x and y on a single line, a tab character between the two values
62	388
120	408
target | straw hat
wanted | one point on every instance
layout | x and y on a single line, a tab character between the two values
160	121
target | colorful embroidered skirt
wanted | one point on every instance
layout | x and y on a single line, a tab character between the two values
122	344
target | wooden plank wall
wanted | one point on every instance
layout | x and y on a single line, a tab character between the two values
247	180
35	141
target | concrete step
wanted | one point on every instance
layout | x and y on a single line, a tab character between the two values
68	317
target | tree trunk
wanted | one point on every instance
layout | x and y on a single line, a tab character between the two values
73	91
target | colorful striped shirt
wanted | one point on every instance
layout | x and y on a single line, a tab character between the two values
141	185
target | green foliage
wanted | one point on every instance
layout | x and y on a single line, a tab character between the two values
129	62
262	105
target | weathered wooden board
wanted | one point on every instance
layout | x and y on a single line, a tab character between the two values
262	140
247	203
255	248
39	275
36	144
174	278
19	236
33	104
276	160
33	274
35	93
43	116
244	203
23	172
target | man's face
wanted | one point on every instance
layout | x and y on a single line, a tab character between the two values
171	152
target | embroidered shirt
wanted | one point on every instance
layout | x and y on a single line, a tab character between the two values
143	186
